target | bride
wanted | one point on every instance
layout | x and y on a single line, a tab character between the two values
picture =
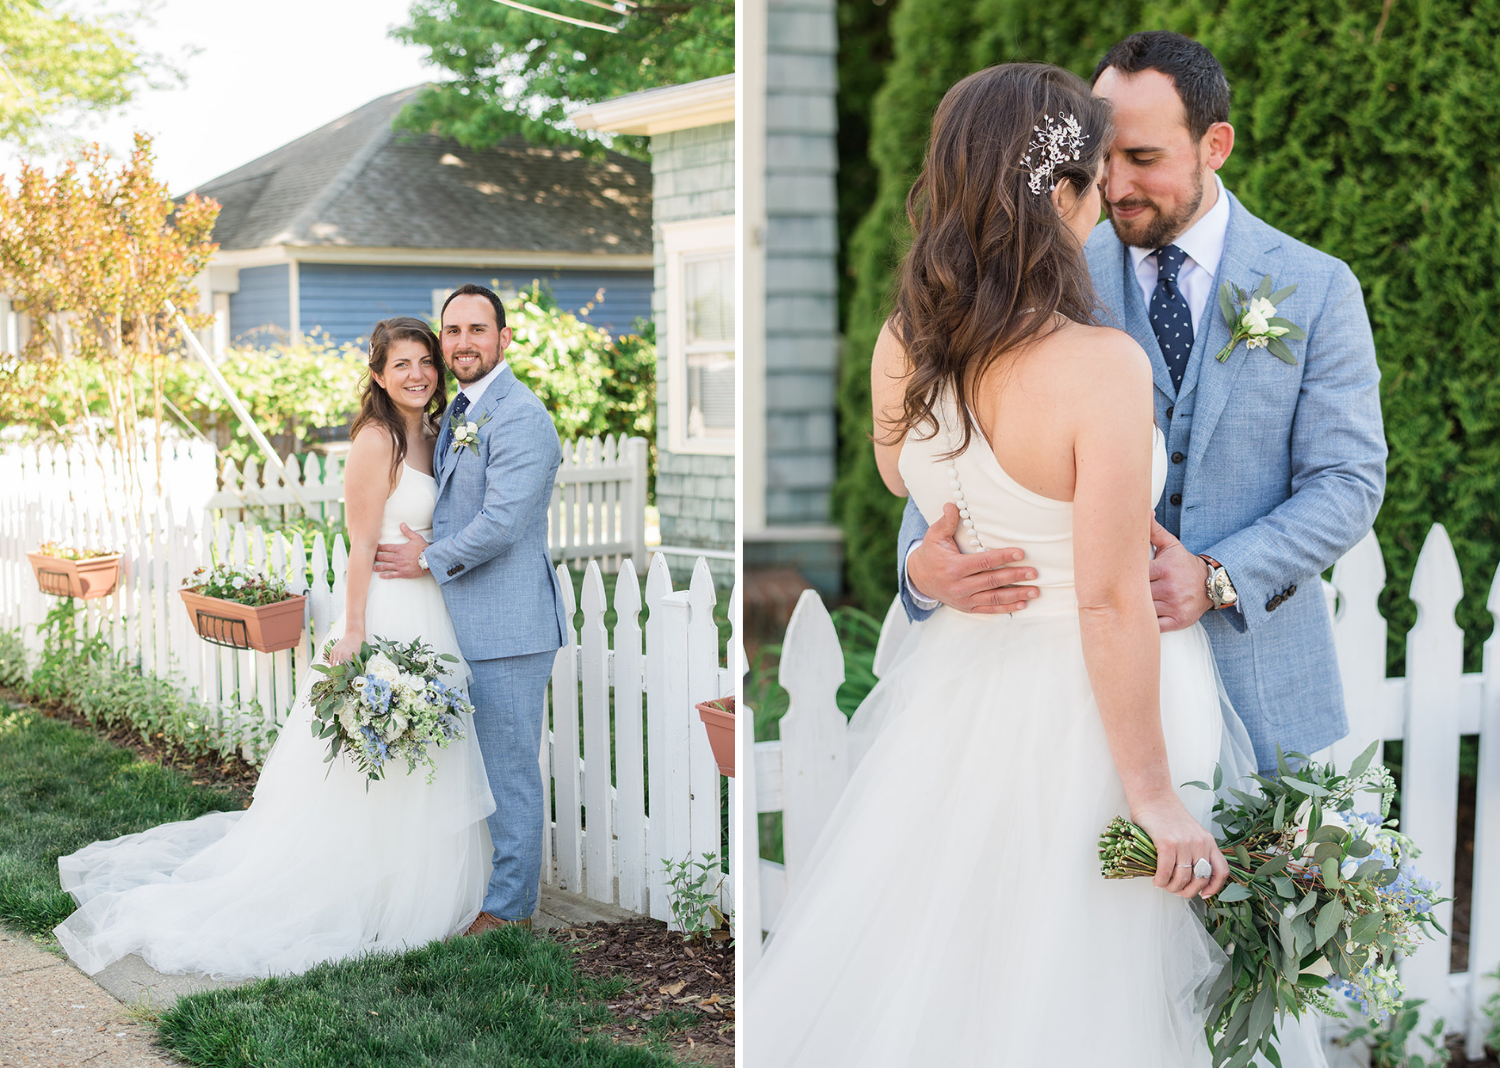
318	868
952	912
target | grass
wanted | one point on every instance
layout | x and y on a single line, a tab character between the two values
62	788
507	1000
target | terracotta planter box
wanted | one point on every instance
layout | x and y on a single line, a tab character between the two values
85	579
718	719
269	628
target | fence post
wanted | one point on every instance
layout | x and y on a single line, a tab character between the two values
636	509
599	867
667	745
814	733
704	780
630	752
565	748
1429	784
1359	634
1484	907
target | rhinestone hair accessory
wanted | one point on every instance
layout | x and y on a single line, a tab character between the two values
1058	143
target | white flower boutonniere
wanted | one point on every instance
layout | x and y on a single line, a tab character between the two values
1252	318
466	432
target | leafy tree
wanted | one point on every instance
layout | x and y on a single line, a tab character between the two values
519	74
1369	133
65	64
864	53
92	256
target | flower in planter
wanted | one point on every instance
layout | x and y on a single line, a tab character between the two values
64	552
239	585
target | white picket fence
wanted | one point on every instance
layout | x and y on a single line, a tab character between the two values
611	829
803	774
598	509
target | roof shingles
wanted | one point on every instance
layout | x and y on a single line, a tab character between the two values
356	182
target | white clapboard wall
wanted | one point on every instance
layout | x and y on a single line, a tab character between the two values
634	688
803	773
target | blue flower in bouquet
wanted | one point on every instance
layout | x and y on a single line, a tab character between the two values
377	695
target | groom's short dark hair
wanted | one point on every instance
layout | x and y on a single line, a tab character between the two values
1199	79
469	289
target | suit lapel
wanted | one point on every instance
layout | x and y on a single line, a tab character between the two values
1138	325
1245	261
494	393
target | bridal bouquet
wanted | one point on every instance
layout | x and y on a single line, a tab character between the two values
388	701
1320	900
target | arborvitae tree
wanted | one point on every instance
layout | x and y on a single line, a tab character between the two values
1371	134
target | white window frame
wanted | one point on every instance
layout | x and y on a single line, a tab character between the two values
679	240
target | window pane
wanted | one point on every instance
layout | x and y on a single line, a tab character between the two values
709	284
710	395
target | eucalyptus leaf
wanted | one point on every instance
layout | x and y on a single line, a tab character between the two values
1274	865
1281	351
1281	294
1331	874
1330	917
1369	868
1302	786
1226	304
1264	289
1360	848
1233	892
1366	927
1293	331
1362	762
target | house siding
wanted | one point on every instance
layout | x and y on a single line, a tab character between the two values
345	301
801	313
263	303
692	175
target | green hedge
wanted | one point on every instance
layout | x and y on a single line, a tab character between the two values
1383	153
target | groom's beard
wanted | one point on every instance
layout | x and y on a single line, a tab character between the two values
1155	229
476	370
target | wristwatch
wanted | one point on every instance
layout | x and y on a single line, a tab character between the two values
1220	590
422	562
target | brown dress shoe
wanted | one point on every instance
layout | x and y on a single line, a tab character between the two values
487	922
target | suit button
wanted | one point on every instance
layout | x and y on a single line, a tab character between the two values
1176	498
1271	604
1171	410
1291	589
1177	457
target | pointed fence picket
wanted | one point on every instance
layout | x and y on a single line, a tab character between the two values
631	777
802	774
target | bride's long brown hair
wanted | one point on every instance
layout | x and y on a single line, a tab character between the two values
991	263
375	404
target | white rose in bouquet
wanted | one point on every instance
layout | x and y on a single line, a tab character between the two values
381	666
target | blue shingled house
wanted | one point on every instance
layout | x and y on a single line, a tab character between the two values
357	221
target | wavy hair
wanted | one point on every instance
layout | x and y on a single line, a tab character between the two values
375	404
991	263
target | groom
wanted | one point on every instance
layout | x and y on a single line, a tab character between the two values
496	457
1276	470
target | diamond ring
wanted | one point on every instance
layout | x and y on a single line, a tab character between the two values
1203	869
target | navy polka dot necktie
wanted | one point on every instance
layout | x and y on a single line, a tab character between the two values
461	405
1170	318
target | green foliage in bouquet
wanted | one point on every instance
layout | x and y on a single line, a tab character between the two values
1320	899
1370	134
389	700
239	585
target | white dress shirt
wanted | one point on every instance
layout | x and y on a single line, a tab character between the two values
1204	244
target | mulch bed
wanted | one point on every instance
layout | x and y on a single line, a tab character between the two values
667	972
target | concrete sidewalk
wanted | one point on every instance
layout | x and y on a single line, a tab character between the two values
53	1016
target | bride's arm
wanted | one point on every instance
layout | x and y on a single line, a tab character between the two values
367	484
1112	451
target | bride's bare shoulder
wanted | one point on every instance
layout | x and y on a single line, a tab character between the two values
1102	358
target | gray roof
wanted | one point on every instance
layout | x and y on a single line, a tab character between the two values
358	182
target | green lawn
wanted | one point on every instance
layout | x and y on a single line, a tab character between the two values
62	788
507	999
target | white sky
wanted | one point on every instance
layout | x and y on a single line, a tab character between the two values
266	72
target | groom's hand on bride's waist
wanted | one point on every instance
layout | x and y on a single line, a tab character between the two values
982	583
399	559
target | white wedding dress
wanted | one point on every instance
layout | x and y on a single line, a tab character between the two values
952	912
318	868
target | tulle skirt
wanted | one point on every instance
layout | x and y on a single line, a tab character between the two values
317	869
952	911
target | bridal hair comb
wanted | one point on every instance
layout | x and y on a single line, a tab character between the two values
1058	143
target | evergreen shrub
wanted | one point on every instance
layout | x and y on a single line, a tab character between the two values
1371	134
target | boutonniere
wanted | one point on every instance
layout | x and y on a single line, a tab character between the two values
466	432
1252	318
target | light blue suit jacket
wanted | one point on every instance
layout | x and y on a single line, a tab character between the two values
1276	471
489	550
